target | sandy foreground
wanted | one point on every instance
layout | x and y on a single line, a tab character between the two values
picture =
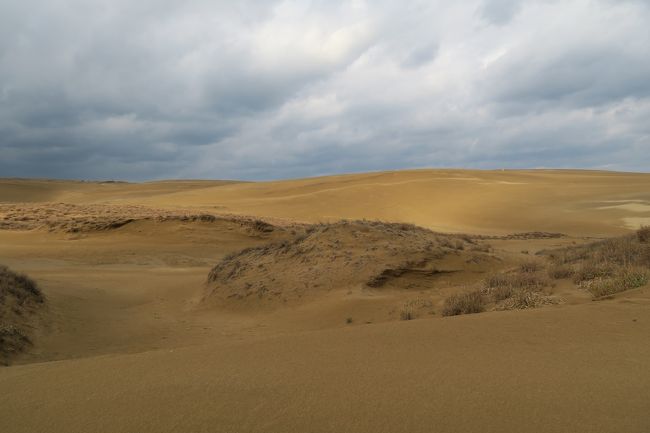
128	343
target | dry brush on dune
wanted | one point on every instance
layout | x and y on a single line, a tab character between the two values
519	288
603	268
606	267
21	301
325	257
317	259
88	218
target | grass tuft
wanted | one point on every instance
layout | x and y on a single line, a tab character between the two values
625	280
643	234
465	303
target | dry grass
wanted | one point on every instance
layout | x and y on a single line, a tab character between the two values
625	279
558	271
606	267
530	266
13	340
20	299
18	286
525	299
643	235
321	256
591	270
505	285
73	218
410	308
465	303
520	288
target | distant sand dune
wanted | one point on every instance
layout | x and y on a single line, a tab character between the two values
469	201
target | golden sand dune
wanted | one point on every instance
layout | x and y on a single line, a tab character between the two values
190	306
570	201
352	256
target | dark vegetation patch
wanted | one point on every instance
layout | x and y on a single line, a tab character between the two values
13	341
20	301
464	303
19	287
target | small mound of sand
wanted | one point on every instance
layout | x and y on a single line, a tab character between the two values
20	303
329	257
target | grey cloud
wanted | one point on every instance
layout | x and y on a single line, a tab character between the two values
579	78
500	12
261	90
420	55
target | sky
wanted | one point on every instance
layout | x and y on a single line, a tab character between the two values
137	90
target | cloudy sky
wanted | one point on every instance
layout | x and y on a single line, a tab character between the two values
148	89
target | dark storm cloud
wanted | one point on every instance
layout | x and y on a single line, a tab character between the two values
270	89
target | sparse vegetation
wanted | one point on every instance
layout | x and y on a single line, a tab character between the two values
525	299
505	285
412	306
319	257
464	303
643	234
530	266
559	271
592	270
406	314
626	279
605	267
13	340
20	297
519	288
19	286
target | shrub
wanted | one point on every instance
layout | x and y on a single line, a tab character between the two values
20	286
643	234
406	314
530	267
465	303
502	286
409	308
499	286
559	272
626	280
525	299
592	270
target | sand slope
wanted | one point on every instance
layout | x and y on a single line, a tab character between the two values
540	371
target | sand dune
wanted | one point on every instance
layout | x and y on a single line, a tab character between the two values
575	202
216	306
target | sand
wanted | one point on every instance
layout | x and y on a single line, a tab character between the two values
129	345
